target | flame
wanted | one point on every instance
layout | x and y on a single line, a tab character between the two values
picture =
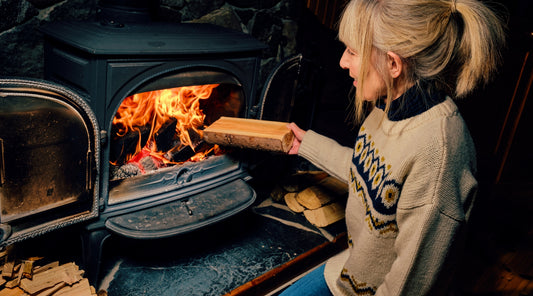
157	108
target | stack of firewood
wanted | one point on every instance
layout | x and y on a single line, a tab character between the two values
320	197
27	277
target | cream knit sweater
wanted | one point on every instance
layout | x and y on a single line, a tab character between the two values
412	186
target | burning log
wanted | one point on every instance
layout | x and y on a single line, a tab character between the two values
127	144
167	113
164	137
181	153
143	162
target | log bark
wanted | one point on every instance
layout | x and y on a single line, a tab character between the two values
250	133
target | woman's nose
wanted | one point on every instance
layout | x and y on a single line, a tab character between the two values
343	61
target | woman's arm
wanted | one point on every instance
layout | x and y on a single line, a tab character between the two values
322	151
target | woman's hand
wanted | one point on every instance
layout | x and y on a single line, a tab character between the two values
298	137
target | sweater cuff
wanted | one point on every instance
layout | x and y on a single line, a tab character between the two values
309	148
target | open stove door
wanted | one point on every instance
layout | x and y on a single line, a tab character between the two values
49	159
291	92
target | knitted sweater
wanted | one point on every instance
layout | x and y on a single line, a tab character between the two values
412	186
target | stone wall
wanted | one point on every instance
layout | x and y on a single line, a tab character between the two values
274	22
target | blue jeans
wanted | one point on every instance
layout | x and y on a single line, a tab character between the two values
312	284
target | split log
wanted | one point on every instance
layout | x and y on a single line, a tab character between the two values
46	267
27	269
334	185
325	215
53	290
82	288
292	203
68	273
16	281
8	269
250	133
12	292
314	197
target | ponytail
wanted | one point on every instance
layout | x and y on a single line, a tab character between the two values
479	46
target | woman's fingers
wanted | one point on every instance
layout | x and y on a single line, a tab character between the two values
298	137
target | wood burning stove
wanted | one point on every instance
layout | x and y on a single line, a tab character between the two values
72	150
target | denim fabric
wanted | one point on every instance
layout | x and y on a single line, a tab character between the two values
312	284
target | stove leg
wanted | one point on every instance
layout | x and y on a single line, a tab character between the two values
92	245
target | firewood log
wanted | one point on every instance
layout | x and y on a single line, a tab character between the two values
250	133
334	185
68	273
314	197
292	203
325	215
81	288
12	292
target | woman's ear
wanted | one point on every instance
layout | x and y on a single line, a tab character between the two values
395	64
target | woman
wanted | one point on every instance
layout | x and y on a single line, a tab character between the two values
412	171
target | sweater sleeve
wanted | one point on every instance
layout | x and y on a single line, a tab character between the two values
431	216
326	154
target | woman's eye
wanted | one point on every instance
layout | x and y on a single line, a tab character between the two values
350	52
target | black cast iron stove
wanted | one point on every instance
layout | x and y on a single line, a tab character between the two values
111	63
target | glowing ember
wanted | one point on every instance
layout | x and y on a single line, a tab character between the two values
157	108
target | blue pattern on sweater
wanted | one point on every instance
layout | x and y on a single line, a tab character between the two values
381	193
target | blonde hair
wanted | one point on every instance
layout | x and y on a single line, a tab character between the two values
454	43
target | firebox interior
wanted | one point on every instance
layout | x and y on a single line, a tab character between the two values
158	131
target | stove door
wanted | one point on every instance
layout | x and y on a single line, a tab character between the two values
291	92
49	159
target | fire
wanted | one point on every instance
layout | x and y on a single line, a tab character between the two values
156	108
